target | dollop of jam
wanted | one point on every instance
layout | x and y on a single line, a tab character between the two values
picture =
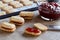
34	30
50	10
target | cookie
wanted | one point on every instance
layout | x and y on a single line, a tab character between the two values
2	13
16	4
7	8
8	27
11	11
7	1
27	3
3	5
40	26
27	14
32	31
17	20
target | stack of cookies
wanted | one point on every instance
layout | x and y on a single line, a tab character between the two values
15	20
8	27
36	30
10	6
11	26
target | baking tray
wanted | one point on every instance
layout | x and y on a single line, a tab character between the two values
25	8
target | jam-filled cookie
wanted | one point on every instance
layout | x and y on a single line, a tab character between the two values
17	20
32	31
8	27
27	14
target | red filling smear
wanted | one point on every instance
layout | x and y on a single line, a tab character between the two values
33	30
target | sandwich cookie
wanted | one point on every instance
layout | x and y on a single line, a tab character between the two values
17	20
26	14
8	27
32	31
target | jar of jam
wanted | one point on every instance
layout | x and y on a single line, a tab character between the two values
49	10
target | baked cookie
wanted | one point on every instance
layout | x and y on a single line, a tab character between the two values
2	13
27	14
17	20
7	8
11	11
32	31
23	0
7	1
40	26
3	5
27	3
8	27
16	4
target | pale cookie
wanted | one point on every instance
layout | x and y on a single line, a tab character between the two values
16	4
17	20
27	14
8	27
40	26
2	13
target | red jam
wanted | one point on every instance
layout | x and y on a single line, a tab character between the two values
50	10
33	30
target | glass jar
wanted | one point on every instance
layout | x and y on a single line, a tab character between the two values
49	10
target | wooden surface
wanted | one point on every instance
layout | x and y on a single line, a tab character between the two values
18	34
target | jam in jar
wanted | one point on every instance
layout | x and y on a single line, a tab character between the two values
49	10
